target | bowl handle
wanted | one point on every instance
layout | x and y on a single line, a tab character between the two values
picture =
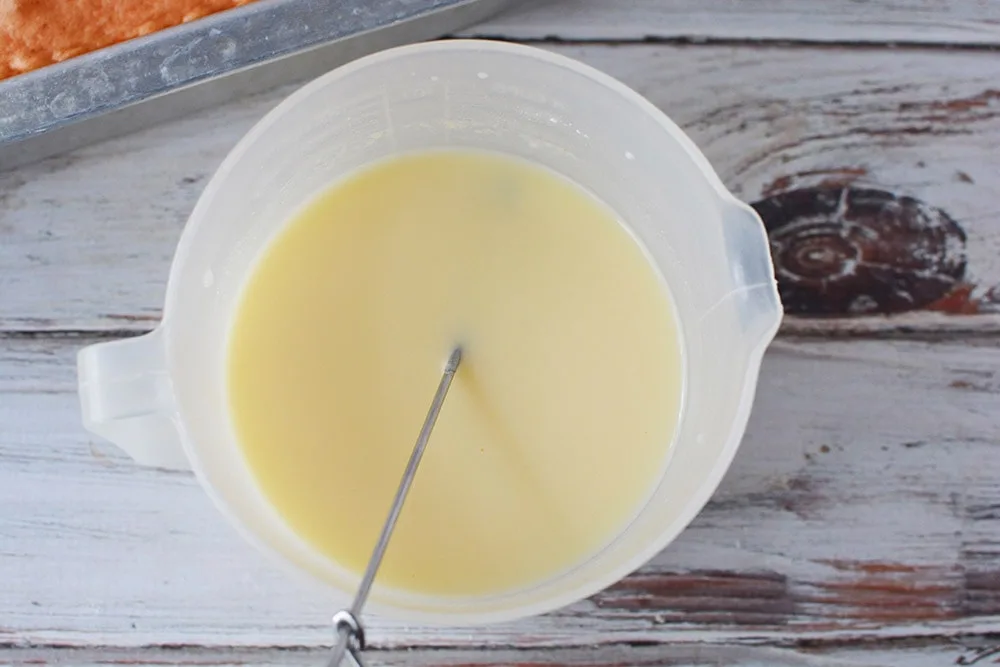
126	397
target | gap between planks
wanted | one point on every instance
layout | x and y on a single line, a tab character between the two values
785	43
969	329
910	653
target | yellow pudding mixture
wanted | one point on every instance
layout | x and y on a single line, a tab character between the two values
560	417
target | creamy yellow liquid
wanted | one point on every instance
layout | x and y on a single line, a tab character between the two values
559	420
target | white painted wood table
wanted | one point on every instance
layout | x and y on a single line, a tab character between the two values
860	524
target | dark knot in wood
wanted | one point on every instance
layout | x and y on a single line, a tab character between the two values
846	250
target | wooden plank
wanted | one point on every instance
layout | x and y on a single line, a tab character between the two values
863	505
966	22
87	238
667	655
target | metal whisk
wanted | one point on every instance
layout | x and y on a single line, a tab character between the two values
350	631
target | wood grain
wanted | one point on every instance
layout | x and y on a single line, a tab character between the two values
859	525
87	238
910	654
965	22
863	504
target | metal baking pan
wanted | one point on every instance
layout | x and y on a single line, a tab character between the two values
172	72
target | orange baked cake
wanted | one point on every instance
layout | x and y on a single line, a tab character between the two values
35	33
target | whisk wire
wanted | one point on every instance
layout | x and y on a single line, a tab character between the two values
350	631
